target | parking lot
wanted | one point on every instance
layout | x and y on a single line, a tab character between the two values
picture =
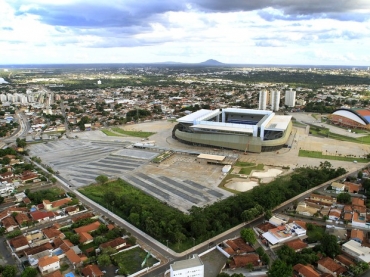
180	181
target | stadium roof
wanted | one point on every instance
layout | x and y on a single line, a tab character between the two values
278	123
361	116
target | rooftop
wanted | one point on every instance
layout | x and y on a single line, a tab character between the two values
192	262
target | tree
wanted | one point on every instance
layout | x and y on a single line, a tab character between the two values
248	235
101	179
104	260
329	245
1	199
360	174
29	272
21	142
9	271
75	239
344	198
280	269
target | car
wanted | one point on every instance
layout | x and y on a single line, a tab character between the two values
104	271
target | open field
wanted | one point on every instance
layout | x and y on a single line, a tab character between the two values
131	260
138	134
319	155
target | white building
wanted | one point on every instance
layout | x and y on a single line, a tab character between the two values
290	97
263	100
275	100
356	250
193	267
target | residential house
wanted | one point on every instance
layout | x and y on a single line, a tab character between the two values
9	223
92	270
22	219
357	235
83	216
358	205
240	261
48	264
72	210
19	243
328	265
344	260
51	233
284	233
352	187
323	199
41	216
307	208
59	203
335	214
359	252
28	176
85	237
305	271
297	245
358	220
88	228
73	258
117	243
338	187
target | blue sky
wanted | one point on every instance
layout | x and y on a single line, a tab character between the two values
312	32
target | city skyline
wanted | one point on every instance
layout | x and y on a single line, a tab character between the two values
232	32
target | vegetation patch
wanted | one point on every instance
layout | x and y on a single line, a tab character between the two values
319	155
130	261
110	133
248	170
138	134
163	156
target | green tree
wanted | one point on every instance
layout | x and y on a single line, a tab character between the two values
360	174
104	260
29	272
248	235
344	198
75	239
101	179
280	269
329	245
9	271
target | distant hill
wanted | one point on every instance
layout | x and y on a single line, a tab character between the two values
211	62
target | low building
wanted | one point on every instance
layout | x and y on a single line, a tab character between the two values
305	271
192	267
338	187
48	264
357	251
357	235
117	243
92	270
328	265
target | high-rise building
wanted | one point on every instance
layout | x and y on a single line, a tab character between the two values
290	96
193	267
263	100
275	100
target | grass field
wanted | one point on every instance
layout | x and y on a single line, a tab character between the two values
319	155
324	132
110	133
248	170
132	259
138	134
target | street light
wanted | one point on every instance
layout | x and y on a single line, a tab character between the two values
193	243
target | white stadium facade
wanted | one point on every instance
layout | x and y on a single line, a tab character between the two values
238	129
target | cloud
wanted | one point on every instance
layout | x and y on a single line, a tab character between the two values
269	43
7	28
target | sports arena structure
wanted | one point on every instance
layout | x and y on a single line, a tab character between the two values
238	129
351	118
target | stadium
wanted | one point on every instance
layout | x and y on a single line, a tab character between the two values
351	118
238	129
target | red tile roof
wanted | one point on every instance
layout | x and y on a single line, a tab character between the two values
306	270
44	261
331	265
242	260
37	215
92	270
18	241
296	244
88	228
73	257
